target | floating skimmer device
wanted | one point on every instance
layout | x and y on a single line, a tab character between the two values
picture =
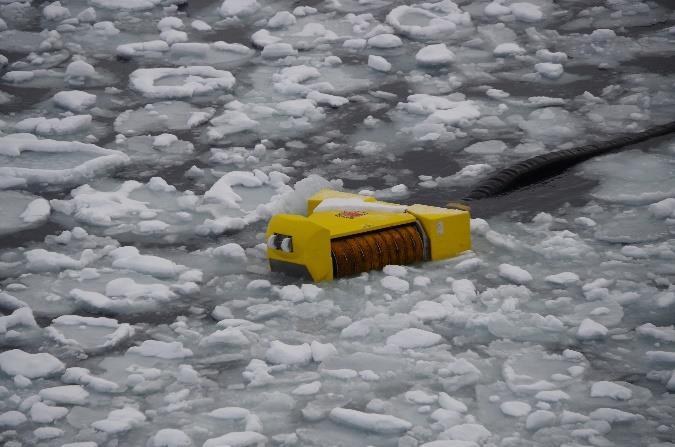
346	234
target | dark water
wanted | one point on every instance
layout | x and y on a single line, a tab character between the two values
231	34
26	237
594	81
24	97
192	7
657	64
13	56
668	4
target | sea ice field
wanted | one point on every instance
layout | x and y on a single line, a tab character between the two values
144	145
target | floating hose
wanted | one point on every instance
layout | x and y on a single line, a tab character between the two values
505	179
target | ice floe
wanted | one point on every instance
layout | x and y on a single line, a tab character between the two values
187	81
27	160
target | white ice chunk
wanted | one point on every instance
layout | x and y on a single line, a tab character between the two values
496	8
229	336
237	439
195	80
74	100
129	258
239	8
663	209
229	413
355	44
563	279
486	147
570	417
125	5
591	330
281	353
428	23
527	12
170	437
67	394
129	50
540	419
43	433
27	160
610	389
548	56
281	19
385	41
395	270
119	421
278	50
549	70
550	123
41	260
105	28
377	423
302	11
263	37
666	334
200	25
230	251
552	395
322	351
170	22
420	397
88	333
435	55
307	389
11	419
476	433
298	108
515	408
17	362
612	415
413	338
79	70
450	403
395	284
23	316
514	274
508	49
449	443
55	11
46	414
161	349
222	192
379	63
55	126
83	376
325	98
172	36
602	35
430	310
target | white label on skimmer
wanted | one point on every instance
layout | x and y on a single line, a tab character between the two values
439	228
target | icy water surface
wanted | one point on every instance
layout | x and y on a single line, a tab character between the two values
144	144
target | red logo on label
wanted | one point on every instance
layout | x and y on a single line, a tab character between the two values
351	214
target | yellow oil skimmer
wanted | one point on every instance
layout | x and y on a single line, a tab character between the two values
345	234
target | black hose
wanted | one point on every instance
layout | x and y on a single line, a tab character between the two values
540	165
